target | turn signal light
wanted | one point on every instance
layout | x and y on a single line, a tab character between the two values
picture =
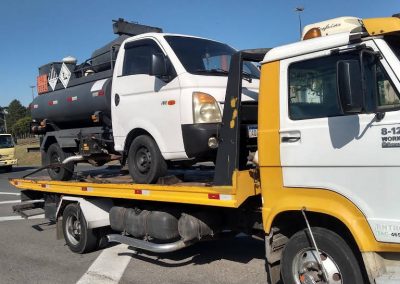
312	33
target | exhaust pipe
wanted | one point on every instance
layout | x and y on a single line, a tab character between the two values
148	246
77	158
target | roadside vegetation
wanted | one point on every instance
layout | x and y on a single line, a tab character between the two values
25	158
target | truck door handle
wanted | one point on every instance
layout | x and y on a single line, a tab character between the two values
290	139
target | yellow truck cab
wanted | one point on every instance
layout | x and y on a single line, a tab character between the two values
7	152
320	186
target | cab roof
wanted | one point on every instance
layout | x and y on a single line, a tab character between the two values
369	27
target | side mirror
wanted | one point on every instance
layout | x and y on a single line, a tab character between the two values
350	86
158	65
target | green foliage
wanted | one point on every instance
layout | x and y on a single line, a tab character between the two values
16	111
21	126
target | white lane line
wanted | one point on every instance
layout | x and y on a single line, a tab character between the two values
10	201
108	267
12	218
10	193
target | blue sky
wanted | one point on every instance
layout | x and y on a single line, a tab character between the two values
33	33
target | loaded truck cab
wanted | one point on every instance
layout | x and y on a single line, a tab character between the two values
170	89
149	99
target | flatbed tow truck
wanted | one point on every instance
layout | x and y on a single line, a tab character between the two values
315	190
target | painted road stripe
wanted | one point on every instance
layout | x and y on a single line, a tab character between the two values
10	201
10	193
108	267
12	218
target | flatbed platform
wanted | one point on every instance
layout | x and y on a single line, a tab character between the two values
197	190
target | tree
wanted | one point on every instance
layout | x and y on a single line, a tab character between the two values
21	127
2	120
16	111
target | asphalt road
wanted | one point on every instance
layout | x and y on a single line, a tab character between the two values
30	253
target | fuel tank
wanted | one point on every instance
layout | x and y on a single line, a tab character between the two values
75	104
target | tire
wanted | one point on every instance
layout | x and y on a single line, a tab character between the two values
145	162
54	155
299	259
78	237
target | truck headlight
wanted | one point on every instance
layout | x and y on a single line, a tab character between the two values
205	108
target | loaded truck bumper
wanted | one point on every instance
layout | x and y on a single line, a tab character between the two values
200	140
11	162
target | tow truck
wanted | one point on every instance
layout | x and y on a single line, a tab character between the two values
321	188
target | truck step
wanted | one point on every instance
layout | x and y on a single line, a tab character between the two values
29	208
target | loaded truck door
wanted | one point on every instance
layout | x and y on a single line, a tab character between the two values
322	147
146	95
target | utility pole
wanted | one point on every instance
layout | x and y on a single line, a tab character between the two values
33	94
299	10
5	112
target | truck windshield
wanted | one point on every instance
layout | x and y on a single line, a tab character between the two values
6	141
206	57
394	43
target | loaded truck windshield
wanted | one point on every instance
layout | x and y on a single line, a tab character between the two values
206	56
6	141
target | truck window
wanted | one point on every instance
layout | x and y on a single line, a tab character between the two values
137	58
312	88
387	94
6	141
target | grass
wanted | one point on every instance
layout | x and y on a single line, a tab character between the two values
25	158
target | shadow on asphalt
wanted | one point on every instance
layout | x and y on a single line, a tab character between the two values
241	249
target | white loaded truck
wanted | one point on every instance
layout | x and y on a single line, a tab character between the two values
150	99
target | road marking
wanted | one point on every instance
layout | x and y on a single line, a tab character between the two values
12	218
108	267
10	201
10	193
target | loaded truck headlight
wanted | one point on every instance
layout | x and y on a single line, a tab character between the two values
205	108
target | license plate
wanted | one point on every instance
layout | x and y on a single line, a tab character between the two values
252	131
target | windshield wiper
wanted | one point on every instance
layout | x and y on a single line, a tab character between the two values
213	71
246	76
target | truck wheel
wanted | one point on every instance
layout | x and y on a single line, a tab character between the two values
299	259
145	162
78	237
55	155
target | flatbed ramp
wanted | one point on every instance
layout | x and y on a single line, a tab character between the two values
243	186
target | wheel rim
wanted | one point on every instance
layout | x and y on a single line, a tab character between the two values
306	270
73	229
143	160
55	159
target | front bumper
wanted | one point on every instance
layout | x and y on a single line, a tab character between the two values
195	140
10	162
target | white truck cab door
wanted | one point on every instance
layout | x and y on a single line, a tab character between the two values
140	100
356	155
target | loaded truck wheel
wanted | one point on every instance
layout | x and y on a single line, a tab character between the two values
299	260
55	155
78	237
145	162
